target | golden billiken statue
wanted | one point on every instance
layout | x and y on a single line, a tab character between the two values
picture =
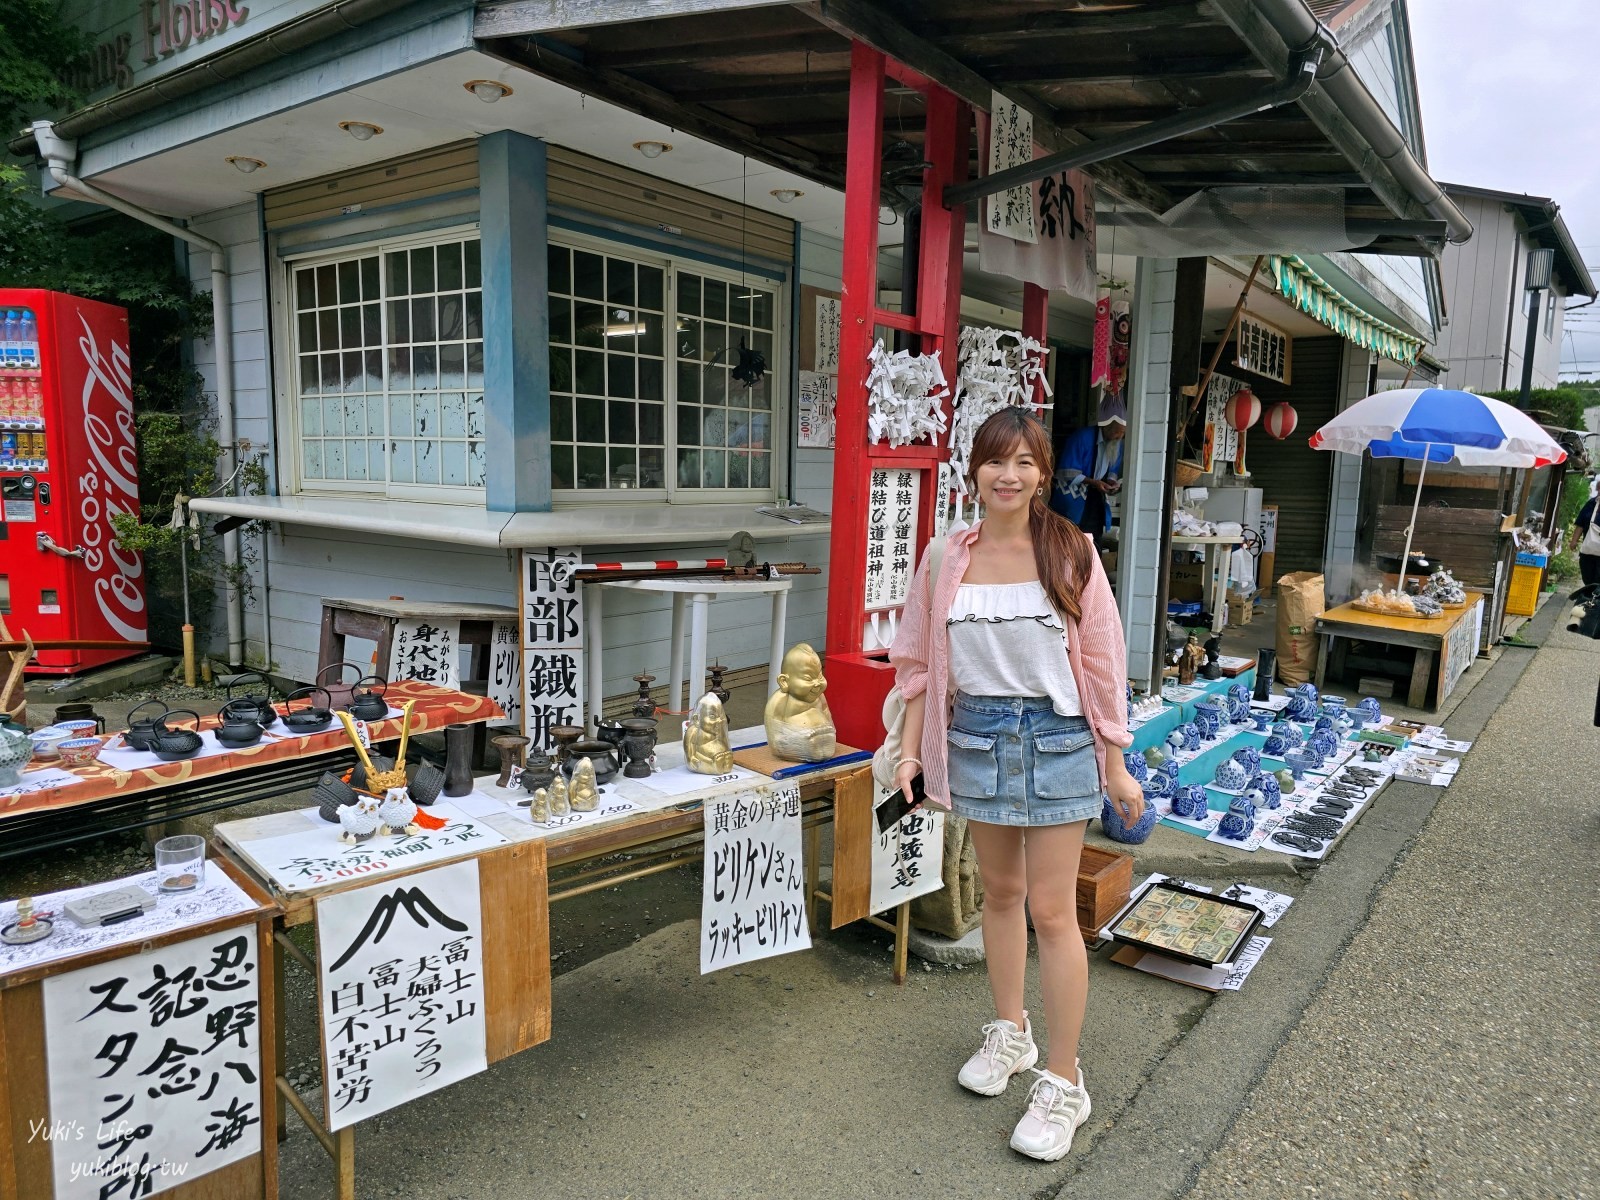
799	726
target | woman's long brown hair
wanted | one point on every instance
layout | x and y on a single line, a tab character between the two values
1061	552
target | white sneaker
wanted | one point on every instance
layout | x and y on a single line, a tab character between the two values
1005	1051
1056	1108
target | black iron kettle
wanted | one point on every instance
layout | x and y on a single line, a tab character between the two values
368	704
172	744
309	719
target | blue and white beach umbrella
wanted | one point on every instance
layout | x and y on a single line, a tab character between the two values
1439	425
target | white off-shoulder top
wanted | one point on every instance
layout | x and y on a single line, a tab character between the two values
1007	640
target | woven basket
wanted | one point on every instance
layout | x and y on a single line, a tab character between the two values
1187	472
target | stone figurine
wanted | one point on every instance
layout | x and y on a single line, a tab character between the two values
799	725
705	738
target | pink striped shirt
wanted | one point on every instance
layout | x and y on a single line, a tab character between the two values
1096	652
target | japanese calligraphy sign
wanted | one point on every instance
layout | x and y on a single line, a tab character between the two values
1224	443
1010	213
505	673
401	990
819	393
1061	254
154	1064
753	905
1263	348
316	857
552	643
426	650
908	860
891	536
827	335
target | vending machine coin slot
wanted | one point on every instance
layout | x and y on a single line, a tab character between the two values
17	494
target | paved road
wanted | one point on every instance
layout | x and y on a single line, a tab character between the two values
1453	1049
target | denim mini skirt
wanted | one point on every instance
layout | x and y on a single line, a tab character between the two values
1014	760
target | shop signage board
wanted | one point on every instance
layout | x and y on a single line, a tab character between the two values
400	989
891	527
552	643
908	860
154	1067
827	335
753	903
505	673
426	650
1263	348
1460	648
1224	443
818	401
1010	213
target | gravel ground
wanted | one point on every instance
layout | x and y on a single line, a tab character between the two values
1452	1051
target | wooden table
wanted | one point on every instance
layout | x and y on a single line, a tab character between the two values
105	799
26	1159
1444	645
1217	551
375	621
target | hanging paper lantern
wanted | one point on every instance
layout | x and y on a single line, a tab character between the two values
1280	420
1243	409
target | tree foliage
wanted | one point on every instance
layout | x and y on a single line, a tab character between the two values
1561	406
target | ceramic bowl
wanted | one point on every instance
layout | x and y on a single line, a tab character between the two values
1113	826
47	741
78	751
78	729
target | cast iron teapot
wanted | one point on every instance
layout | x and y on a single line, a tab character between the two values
368	704
309	719
253	706
172	744
141	730
241	724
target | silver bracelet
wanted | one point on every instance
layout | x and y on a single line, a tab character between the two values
904	761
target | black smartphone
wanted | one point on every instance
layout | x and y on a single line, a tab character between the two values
895	805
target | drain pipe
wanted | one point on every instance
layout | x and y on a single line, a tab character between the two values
60	155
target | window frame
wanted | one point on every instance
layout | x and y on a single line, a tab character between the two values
287	356
777	372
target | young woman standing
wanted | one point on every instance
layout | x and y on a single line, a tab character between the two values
1014	671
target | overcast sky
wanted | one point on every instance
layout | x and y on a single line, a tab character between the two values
1511	100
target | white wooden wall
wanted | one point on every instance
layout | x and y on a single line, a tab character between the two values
1144	460
1344	491
304	565
1477	288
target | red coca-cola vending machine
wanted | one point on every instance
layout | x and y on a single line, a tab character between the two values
68	464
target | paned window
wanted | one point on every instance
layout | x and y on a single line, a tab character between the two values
724	424
389	369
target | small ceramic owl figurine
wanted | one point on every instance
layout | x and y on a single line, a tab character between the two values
360	820
1248	757
1191	737
1267	785
1239	821
1231	775
1190	803
1290	733
560	806
585	793
1370	706
539	809
1275	745
1136	766
1175	741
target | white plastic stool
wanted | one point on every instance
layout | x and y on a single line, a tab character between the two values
699	593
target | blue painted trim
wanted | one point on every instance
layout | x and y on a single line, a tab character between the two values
379	210
514	232
369	236
641	238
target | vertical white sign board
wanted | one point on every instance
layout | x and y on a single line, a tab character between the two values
426	651
400	986
154	1065
908	860
753	905
552	643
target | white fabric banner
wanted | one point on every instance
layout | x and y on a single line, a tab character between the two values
1061	255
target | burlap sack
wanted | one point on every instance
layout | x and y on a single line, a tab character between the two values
1300	602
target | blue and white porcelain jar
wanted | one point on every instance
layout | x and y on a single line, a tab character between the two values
1115	828
1231	775
1370	706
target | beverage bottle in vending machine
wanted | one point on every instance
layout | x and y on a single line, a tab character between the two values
28	338
33	403
8	339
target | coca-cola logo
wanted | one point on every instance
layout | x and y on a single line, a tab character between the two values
109	484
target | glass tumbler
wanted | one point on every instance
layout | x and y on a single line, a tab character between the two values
180	862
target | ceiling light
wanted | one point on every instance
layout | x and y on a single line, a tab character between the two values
653	149
244	164
487	90
362	131
786	195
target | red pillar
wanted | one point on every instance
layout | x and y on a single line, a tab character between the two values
1036	324
859	679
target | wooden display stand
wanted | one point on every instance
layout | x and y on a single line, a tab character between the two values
1438	643
26	1158
516	962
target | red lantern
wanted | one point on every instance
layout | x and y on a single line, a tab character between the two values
1280	420
1243	409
